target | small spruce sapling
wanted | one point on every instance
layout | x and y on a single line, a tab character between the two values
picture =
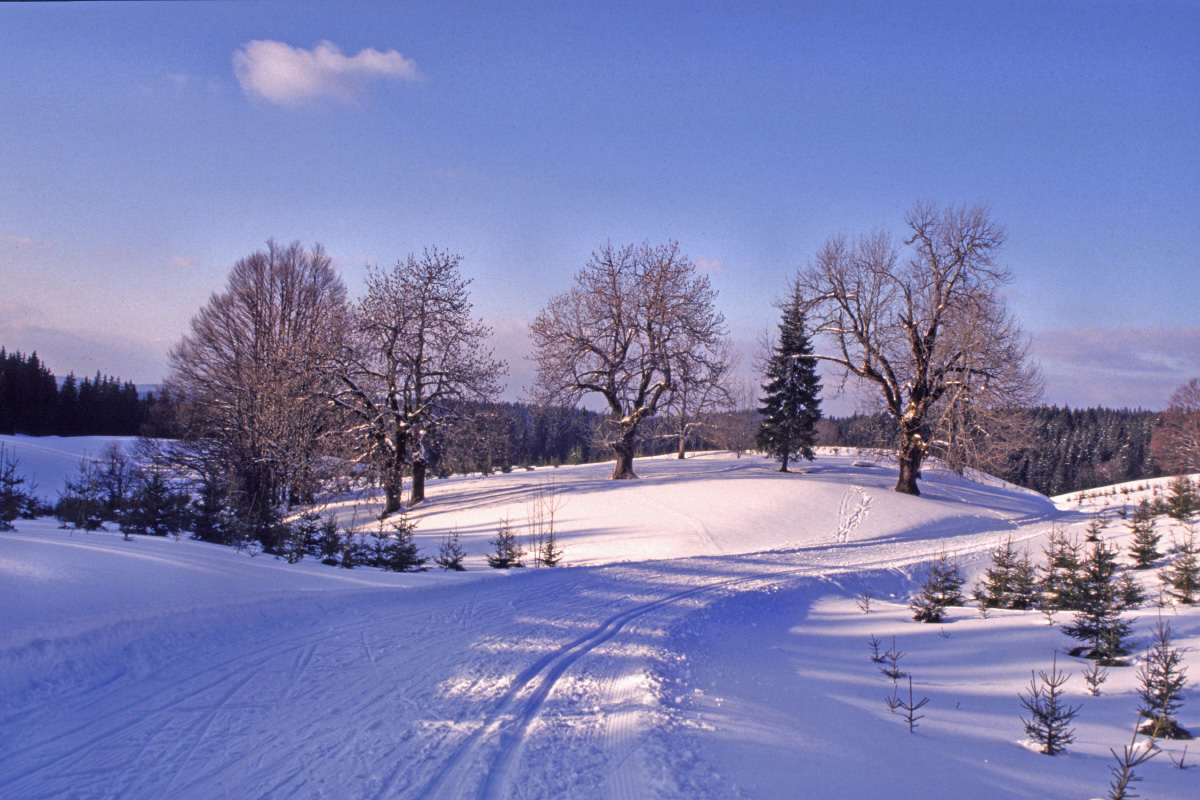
1131	756
329	541
15	496
1093	676
403	555
1049	722
451	553
940	589
506	552
1161	679
1144	547
1059	585
910	708
1099	622
877	655
1181	578
1184	500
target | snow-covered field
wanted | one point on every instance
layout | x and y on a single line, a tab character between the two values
702	640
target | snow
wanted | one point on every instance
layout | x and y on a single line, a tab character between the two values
48	461
702	641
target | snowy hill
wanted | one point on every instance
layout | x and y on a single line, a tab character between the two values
702	641
48	461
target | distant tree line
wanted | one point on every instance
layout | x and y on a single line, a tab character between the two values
33	403
1061	450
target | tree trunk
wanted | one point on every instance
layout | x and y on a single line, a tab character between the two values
624	451
785	463
418	483
682	446
909	458
391	498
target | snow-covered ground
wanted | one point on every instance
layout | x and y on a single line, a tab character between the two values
702	640
48	461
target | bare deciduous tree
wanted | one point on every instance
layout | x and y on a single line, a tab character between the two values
1176	441
637	319
415	358
929	330
703	390
252	373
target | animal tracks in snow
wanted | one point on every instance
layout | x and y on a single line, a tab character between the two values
856	503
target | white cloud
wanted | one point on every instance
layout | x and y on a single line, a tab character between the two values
291	76
182	262
711	265
17	241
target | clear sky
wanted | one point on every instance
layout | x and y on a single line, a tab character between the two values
145	147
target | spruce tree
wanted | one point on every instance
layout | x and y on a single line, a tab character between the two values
1183	500
1162	678
1058	587
994	589
1182	576
1144	547
790	408
941	588
15	499
1098	621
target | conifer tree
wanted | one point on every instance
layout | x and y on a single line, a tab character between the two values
1144	547
1098	621
1162	678
15	499
994	589
791	407
941	588
1058	587
508	550
1181	578
1049	722
1183	500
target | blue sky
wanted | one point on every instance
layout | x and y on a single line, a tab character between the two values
146	147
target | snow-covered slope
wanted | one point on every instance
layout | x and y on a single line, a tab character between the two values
48	461
703	641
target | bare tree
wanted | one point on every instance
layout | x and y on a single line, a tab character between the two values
930	331
252	374
703	389
415	358
637	319
1176	441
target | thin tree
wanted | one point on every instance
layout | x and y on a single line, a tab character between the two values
1161	679
790	407
636	320
1049	721
929	332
